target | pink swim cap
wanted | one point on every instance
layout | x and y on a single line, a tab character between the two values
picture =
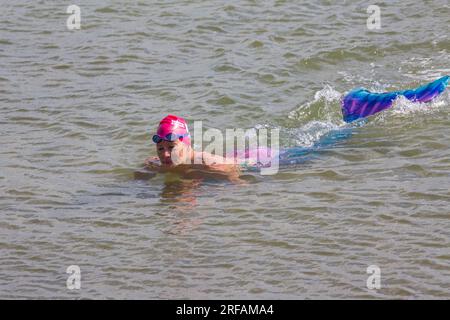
172	128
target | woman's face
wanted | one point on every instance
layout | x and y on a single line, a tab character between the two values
172	153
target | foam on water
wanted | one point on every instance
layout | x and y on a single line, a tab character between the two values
310	134
410	111
316	118
323	104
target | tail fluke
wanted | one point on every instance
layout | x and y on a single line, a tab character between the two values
361	103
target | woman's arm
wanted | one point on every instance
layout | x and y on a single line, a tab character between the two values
222	166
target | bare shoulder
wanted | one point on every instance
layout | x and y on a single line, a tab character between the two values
221	165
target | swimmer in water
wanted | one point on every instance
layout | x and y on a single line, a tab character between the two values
175	154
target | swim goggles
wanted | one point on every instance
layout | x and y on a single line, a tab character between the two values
169	137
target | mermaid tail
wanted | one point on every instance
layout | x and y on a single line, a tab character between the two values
361	103
357	104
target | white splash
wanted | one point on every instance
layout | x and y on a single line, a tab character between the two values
327	95
325	107
311	133
403	106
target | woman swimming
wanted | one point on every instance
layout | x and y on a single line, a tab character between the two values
175	154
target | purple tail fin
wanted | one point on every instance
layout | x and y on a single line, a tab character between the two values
361	103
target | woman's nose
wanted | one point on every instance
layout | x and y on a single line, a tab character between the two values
166	154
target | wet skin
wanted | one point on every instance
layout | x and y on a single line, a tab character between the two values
178	157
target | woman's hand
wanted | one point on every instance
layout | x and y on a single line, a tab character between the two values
152	163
